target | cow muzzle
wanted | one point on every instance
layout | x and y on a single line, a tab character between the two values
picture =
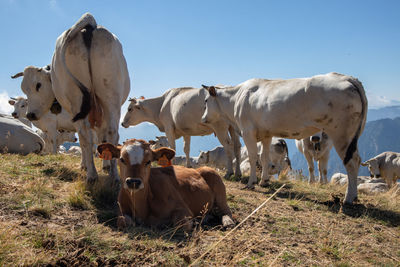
32	116
315	138
124	125
14	114
134	183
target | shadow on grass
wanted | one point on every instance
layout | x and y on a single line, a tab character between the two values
335	204
63	173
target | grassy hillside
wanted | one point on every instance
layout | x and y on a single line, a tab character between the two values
48	216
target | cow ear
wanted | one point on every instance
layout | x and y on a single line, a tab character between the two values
11	102
142	97
108	151
364	163
160	152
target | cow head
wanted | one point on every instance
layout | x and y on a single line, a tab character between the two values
211	109
135	157
65	136
20	107
317	139
137	113
373	167
36	84
161	141
204	157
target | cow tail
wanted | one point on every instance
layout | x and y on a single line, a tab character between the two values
85	25
283	142
364	103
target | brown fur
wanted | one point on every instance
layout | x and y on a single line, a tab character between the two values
172	194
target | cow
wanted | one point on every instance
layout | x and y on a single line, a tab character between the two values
155	196
295	109
20	105
385	165
50	124
161	141
89	79
16	137
178	113
316	147
278	154
215	157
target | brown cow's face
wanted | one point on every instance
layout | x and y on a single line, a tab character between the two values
135	158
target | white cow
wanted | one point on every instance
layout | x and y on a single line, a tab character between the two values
295	109
89	78
50	124
16	137
161	141
316	147
215	157
385	165
278	154
178	113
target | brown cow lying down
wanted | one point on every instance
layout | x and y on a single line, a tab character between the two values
156	196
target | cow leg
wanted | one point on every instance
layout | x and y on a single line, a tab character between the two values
341	145
186	149
171	139
53	137
310	163
183	217
323	168
265	161
222	134
236	149
250	141
86	142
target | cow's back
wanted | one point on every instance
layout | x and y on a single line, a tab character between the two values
181	184
185	106
16	137
277	105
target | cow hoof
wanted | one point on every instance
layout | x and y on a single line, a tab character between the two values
91	179
228	175
251	187
227	221
264	183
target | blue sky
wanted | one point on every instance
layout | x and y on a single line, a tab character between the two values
186	43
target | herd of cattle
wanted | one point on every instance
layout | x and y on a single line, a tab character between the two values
87	82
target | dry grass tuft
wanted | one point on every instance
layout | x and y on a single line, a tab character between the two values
49	216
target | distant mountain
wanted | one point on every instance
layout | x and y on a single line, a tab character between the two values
378	136
383	113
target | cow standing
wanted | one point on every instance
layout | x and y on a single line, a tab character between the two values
386	165
295	108
316	147
50	124
155	196
89	78
178	113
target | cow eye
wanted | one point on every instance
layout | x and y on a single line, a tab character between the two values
122	160
206	100
147	163
22	106
38	86
129	109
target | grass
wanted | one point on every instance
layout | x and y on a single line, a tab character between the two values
49	216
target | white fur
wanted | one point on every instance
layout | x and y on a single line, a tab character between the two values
135	153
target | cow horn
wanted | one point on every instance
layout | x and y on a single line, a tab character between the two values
13	98
132	99
204	86
19	74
